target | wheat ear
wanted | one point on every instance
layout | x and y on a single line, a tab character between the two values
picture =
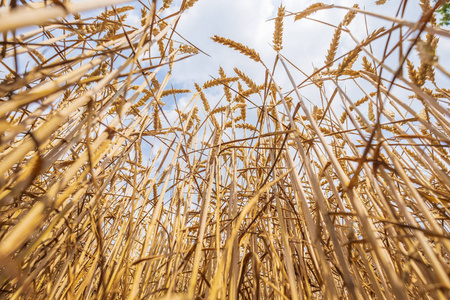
311	9
278	33
251	53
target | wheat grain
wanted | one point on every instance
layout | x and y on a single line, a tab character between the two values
174	91
308	11
350	16
219	81
329	59
167	3
250	83
188	49
413	75
247	126
368	66
189	3
219	109
278	33
251	53
226	89
156	119
371	113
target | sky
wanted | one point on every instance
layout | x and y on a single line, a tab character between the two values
305	42
250	22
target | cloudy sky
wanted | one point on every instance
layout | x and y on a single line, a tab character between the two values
305	42
249	22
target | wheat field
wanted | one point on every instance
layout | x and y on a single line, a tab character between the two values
257	194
